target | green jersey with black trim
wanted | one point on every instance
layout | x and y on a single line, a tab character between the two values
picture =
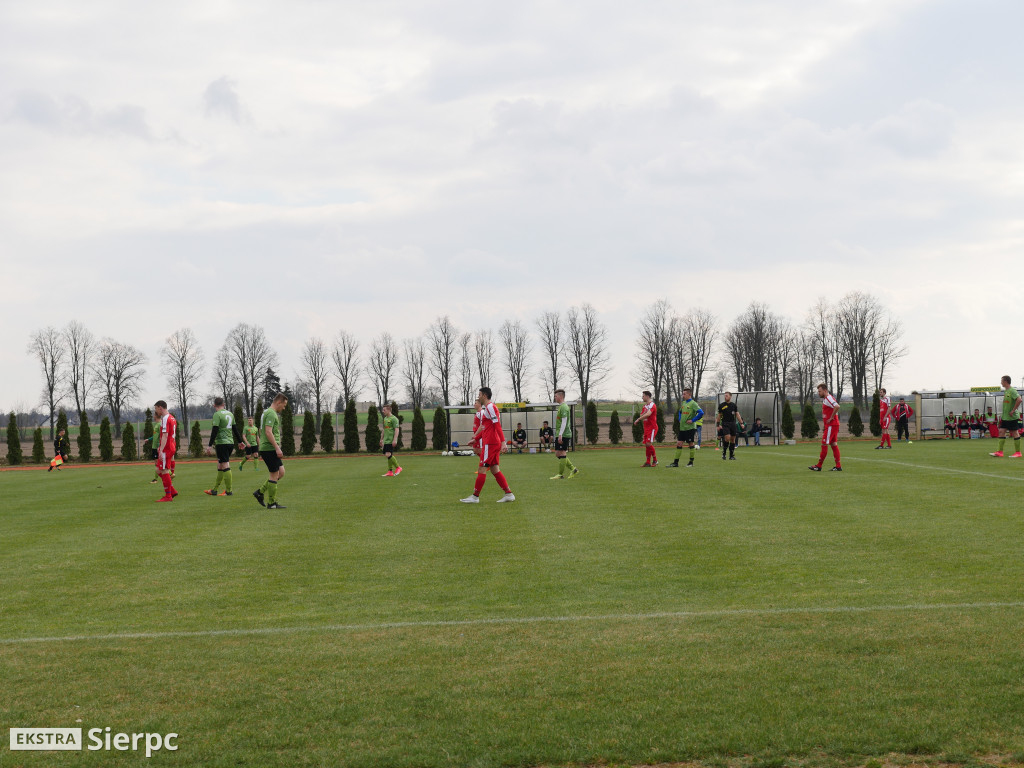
224	420
562	427
390	424
272	419
1010	405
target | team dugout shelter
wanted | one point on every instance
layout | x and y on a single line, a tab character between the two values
931	408
766	406
532	416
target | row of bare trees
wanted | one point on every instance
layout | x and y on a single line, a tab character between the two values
854	342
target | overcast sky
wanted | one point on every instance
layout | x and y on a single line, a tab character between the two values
316	166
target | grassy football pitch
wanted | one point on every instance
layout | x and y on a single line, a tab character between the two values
737	612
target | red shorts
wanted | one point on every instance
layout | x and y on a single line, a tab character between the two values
490	454
165	460
886	421
830	435
649	433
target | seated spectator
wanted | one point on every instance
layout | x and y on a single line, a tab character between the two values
519	437
949	426
547	437
963	426
991	423
755	431
977	422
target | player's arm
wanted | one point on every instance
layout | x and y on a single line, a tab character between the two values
237	434
163	440
1016	405
269	432
698	415
213	435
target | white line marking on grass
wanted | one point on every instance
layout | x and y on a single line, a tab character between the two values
805	457
513	620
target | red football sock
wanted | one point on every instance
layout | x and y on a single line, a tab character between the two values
888	439
481	478
166	478
500	477
835	454
654	456
824	453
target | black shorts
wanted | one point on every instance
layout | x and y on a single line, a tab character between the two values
729	428
252	450
563	443
686	435
154	454
1010	425
388	448
224	452
271	459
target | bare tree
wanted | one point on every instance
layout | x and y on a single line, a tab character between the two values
224	380
677	367
251	356
552	342
383	358
701	330
464	369
515	342
442	341
587	342
345	356
858	318
483	348
47	346
182	361
805	365
81	346
824	327
653	350
414	370
119	368
886	349
314	366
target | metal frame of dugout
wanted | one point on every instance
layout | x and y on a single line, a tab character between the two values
532	415
766	406
930	408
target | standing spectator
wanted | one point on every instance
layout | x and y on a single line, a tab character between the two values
902	413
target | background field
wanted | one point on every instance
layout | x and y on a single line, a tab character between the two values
737	611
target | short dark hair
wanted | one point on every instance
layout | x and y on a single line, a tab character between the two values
279	396
519	423
1007	379
559	390
218	401
545	422
486	391
687	389
160	404
647	392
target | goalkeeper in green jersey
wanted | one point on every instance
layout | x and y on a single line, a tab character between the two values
563	439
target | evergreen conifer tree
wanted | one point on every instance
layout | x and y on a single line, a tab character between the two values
84	438
615	429
788	425
855	424
401	423
195	441
419	431
809	423
638	428
106	441
876	414
590	426
307	440
260	408
239	417
327	432
350	431
179	439
129	451
288	429
372	436
62	423
439	438
659	419
38	449
147	430
13	441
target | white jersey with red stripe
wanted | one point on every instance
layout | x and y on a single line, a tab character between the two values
490	417
883	406
829	411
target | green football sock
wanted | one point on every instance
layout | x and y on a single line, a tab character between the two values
228	482
561	466
242	463
679	454
1002	442
569	464
693	453
272	496
1016	445
220	476
265	488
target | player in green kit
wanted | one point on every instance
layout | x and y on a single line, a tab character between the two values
271	453
388	438
1010	423
687	417
223	438
251	436
563	439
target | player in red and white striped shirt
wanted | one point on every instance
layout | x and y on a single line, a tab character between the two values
830	426
884	418
649	416
491	440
